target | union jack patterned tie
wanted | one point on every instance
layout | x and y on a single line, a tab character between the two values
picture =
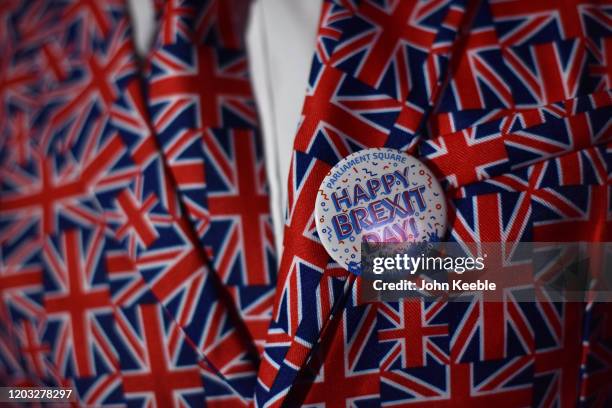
137	263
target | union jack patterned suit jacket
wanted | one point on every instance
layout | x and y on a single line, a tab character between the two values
137	263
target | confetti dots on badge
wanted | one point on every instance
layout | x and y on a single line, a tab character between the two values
377	195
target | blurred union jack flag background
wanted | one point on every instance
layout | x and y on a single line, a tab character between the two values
137	256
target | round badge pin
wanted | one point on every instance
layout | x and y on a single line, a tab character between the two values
378	195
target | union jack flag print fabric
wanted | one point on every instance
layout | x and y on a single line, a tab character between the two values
137	257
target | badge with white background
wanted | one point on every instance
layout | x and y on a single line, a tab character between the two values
378	195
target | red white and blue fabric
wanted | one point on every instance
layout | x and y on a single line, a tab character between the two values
137	262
